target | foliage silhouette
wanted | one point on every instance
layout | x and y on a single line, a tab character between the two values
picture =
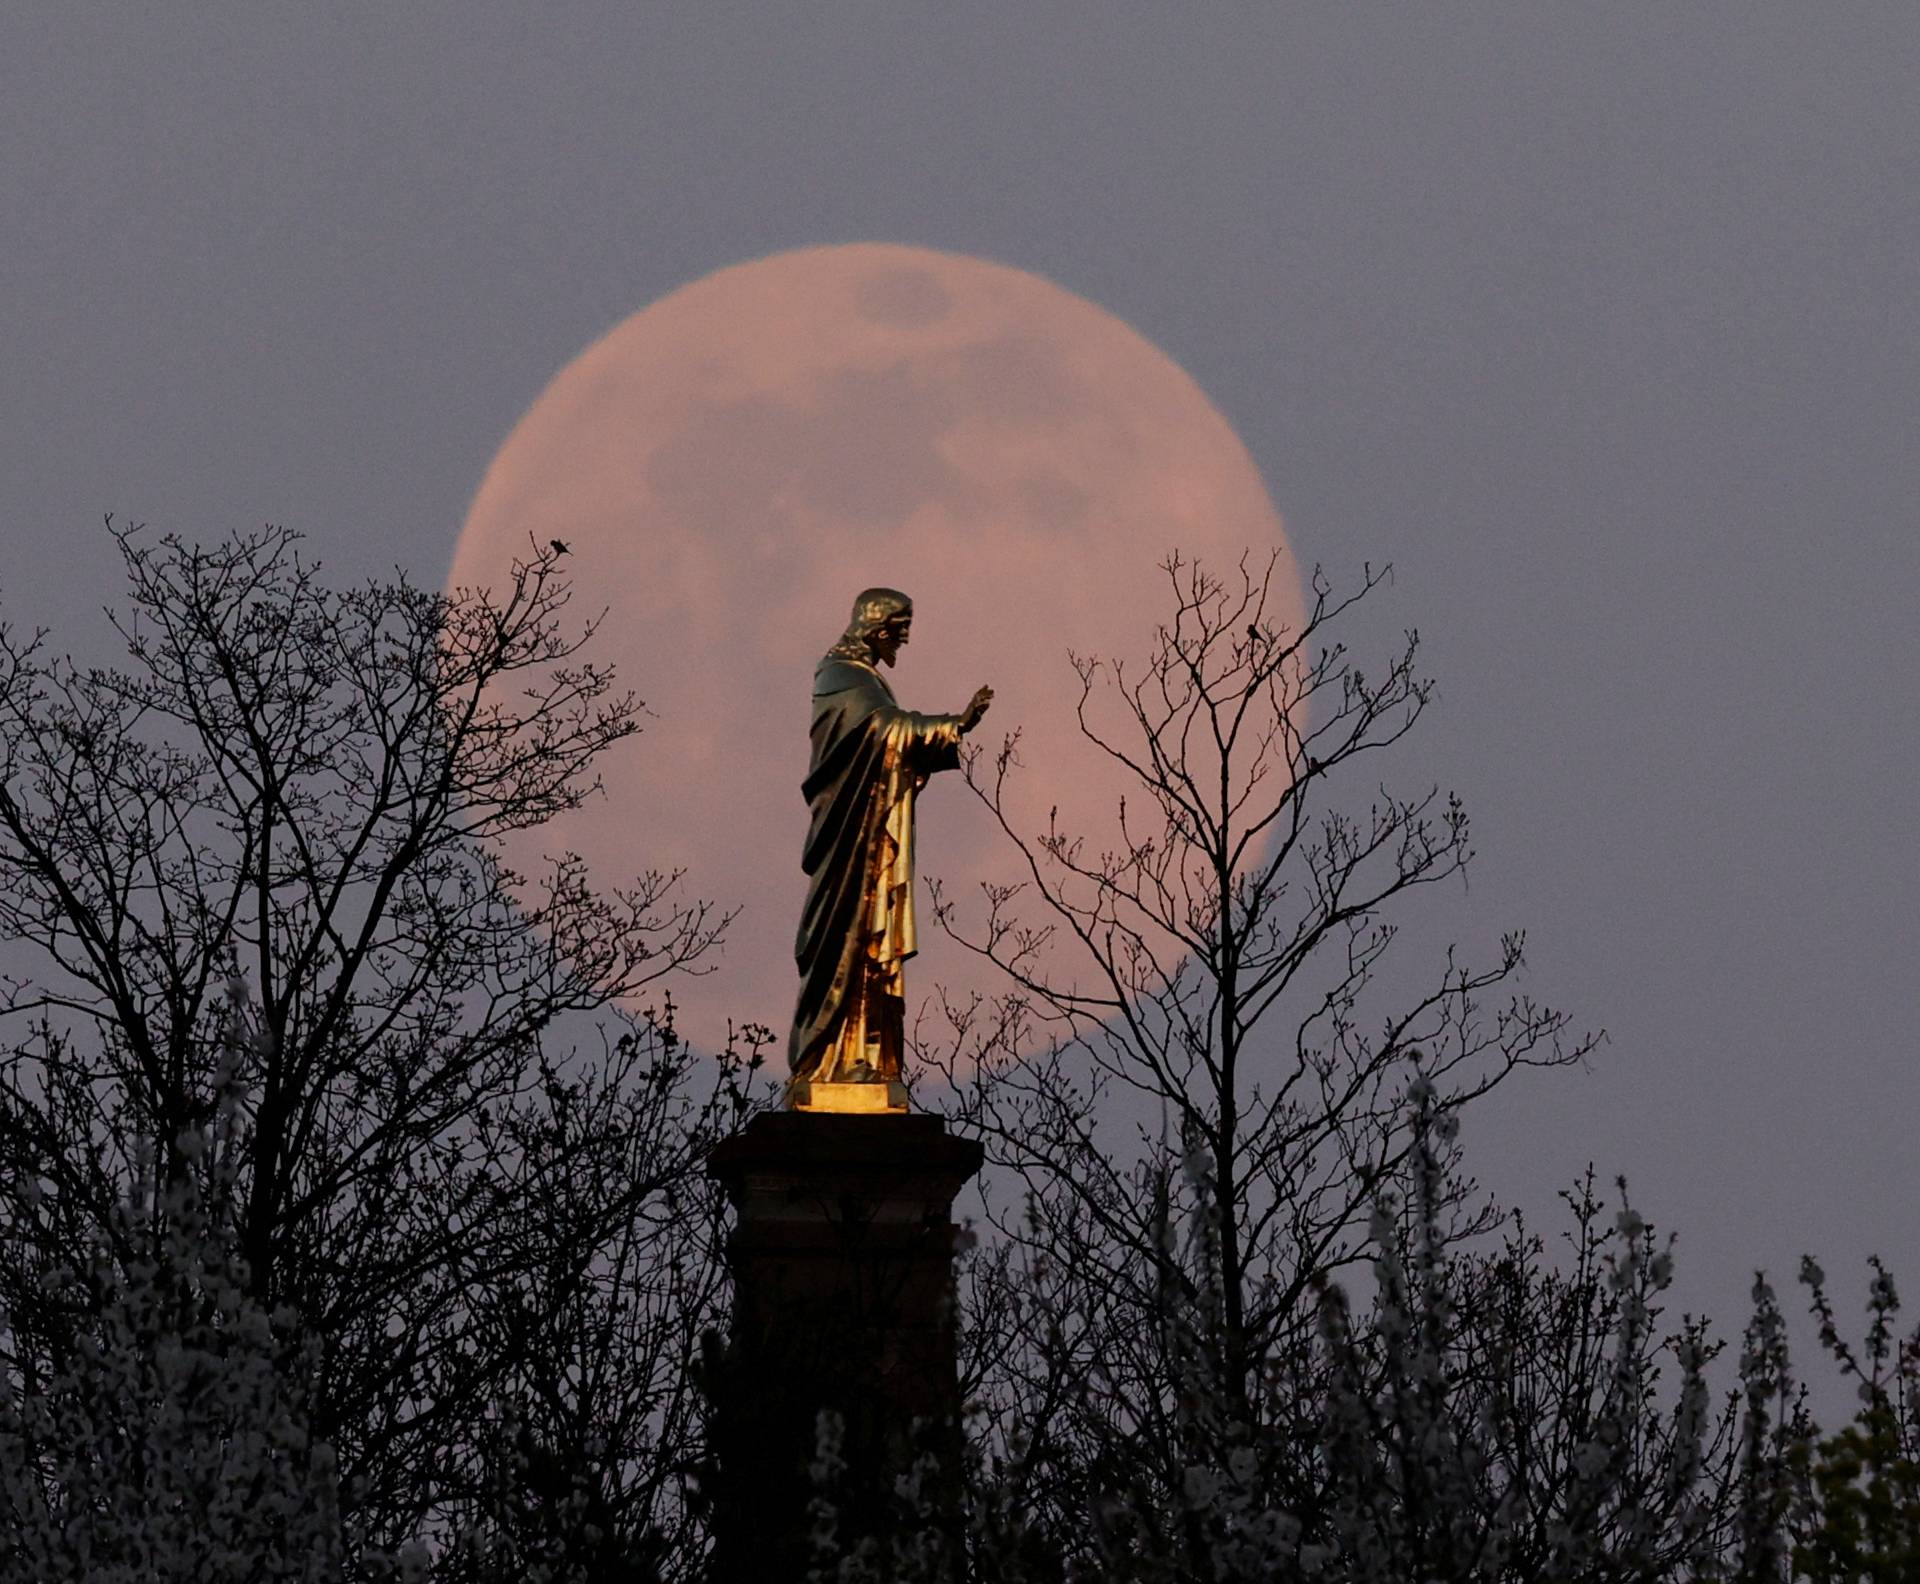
332	1244
286	800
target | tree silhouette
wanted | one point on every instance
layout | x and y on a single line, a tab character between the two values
1213	956
287	800
350	1225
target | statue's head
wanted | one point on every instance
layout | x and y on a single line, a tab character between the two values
880	623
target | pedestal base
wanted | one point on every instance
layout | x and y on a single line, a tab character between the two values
843	1302
850	1099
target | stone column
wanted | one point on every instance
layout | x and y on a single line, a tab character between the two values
842	1265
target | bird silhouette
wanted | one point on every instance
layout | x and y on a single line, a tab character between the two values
560	546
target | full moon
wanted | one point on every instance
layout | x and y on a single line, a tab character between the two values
734	463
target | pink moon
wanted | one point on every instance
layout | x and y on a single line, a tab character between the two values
733	463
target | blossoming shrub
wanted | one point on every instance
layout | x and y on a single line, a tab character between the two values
171	1443
1861	1494
1490	1416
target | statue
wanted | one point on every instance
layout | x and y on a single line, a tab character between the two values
870	760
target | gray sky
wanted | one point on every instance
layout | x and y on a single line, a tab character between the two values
1599	323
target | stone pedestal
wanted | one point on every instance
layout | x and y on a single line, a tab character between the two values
842	1264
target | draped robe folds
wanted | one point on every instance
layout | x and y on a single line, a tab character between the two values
870	759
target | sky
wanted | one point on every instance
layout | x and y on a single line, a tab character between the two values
1599	324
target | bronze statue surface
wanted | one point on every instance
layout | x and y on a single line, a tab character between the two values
870	759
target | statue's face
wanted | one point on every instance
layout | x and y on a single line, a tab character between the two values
887	642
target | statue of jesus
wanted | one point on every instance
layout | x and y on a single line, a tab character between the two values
870	759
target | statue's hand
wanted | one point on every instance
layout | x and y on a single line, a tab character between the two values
976	707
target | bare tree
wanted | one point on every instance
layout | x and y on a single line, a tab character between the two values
1213	1104
1212	962
292	794
590	1459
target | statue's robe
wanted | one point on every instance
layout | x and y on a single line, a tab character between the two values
870	759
